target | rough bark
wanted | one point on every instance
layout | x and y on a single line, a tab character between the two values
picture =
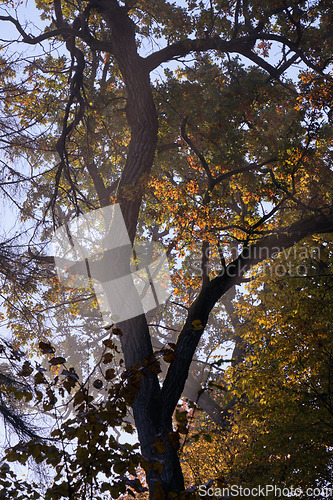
136	341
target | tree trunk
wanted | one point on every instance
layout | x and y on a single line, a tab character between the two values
136	341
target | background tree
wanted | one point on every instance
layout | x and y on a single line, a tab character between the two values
280	423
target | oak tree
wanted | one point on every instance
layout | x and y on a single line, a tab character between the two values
225	159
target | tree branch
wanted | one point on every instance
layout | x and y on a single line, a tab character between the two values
82	33
185	47
33	40
242	46
209	295
245	168
195	150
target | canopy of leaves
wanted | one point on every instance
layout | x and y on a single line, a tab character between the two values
224	155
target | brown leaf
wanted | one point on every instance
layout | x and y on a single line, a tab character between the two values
117	331
78	398
107	358
39	378
169	356
26	369
98	384
57	361
197	325
110	374
46	348
174	439
108	343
